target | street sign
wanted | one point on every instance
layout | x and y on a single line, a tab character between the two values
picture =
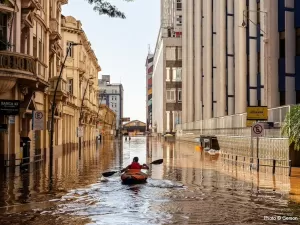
9	107
257	130
257	113
38	120
97	132
126	119
80	131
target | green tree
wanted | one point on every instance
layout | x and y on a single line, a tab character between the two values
104	7
291	127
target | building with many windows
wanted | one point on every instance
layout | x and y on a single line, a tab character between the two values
149	72
238	54
29	36
79	106
167	67
111	94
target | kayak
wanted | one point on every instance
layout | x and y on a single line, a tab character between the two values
134	176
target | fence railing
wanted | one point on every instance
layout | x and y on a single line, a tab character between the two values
235	125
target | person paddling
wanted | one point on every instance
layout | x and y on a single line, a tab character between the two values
135	165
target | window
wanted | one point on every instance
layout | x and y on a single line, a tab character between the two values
298	42
70	86
179	5
168	74
3	31
179	95
178	20
70	54
282	44
171	95
177	74
35	47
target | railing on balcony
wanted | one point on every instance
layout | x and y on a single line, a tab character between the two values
41	70
235	125
62	86
17	63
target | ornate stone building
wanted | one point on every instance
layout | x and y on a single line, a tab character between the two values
32	48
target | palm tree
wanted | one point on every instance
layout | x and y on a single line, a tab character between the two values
291	127
103	7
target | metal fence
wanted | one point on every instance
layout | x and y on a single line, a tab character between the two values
235	125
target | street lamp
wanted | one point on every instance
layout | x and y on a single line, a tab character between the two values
80	113
54	103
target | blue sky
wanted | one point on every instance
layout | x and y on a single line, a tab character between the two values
121	46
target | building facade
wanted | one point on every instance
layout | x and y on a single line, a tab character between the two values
167	69
111	94
29	29
238	54
79	92
149	72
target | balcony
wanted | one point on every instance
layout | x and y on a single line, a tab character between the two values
82	67
54	29
16	67
62	91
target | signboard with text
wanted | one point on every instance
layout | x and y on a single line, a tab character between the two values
9	107
257	113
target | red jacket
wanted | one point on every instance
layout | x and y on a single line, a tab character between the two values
135	165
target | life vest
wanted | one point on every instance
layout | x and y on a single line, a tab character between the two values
135	165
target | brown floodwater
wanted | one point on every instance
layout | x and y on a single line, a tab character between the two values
190	187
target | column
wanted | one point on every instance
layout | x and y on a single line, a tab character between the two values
222	58
253	64
190	68
215	56
207	81
271	27
17	34
184	62
230	57
241	72
198	61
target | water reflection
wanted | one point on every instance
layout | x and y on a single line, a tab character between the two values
190	187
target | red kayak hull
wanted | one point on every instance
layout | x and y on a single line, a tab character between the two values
134	177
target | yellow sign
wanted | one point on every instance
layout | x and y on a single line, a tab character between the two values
249	123
257	113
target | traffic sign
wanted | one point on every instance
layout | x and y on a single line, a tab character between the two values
257	130
80	131
38	120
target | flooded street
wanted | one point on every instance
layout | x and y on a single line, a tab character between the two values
190	187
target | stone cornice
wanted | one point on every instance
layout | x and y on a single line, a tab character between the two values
85	43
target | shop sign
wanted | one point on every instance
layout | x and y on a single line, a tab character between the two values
9	107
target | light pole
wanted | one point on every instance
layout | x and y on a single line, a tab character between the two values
54	103
80	113
266	50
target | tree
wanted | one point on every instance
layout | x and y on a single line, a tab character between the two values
103	7
291	127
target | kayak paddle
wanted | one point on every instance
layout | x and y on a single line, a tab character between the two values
110	173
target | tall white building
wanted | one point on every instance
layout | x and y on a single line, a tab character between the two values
166	78
226	45
112	96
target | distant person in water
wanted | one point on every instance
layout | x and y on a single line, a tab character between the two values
135	165
129	138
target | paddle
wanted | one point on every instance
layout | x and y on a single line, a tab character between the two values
110	173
